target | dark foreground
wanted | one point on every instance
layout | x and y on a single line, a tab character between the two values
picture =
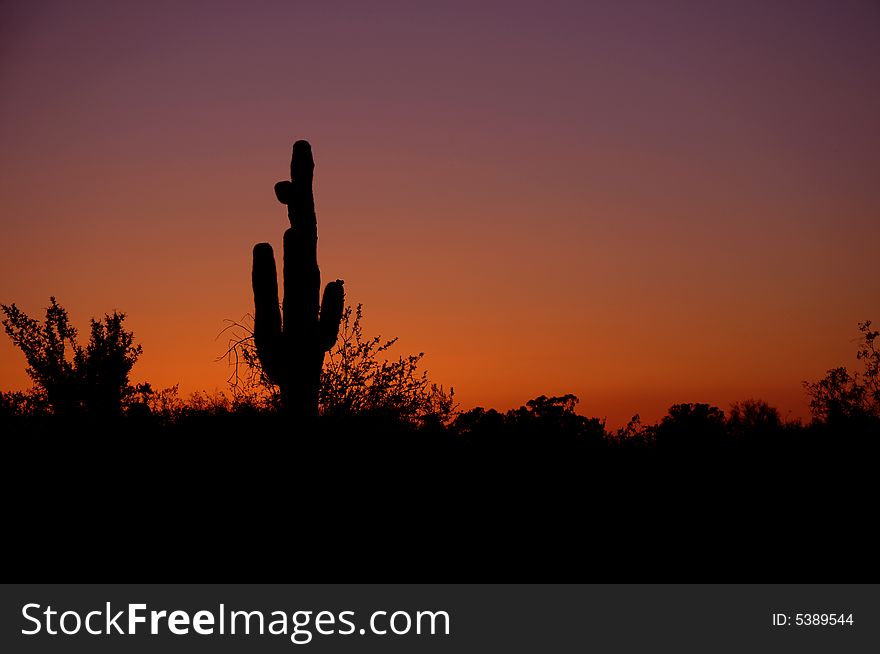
254	498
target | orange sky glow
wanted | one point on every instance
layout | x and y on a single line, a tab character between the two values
639	205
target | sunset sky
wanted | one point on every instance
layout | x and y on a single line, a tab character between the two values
641	203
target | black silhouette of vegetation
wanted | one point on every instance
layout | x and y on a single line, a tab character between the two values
691	428
360	463
70	378
292	353
844	398
357	379
390	465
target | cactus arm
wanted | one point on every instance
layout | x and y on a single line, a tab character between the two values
267	315
331	315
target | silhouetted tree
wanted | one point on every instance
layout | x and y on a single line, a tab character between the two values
841	396
478	422
555	416
105	363
542	424
50	349
635	434
691	428
23	404
91	379
753	419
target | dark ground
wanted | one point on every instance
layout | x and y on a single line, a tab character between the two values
251	498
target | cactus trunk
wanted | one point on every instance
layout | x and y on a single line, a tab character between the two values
291	342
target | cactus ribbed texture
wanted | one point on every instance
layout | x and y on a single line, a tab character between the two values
292	352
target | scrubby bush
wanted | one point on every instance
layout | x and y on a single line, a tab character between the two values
93	379
842	397
691	427
359	377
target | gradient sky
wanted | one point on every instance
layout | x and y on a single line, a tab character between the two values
639	202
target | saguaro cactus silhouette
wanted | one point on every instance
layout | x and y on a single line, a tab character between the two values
292	352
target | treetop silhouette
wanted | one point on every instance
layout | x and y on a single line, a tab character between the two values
844	396
75	379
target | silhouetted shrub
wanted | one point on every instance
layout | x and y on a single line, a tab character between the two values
691	427
23	404
75	379
635	434
356	379
543	424
556	417
842	397
753	419
105	364
478	422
